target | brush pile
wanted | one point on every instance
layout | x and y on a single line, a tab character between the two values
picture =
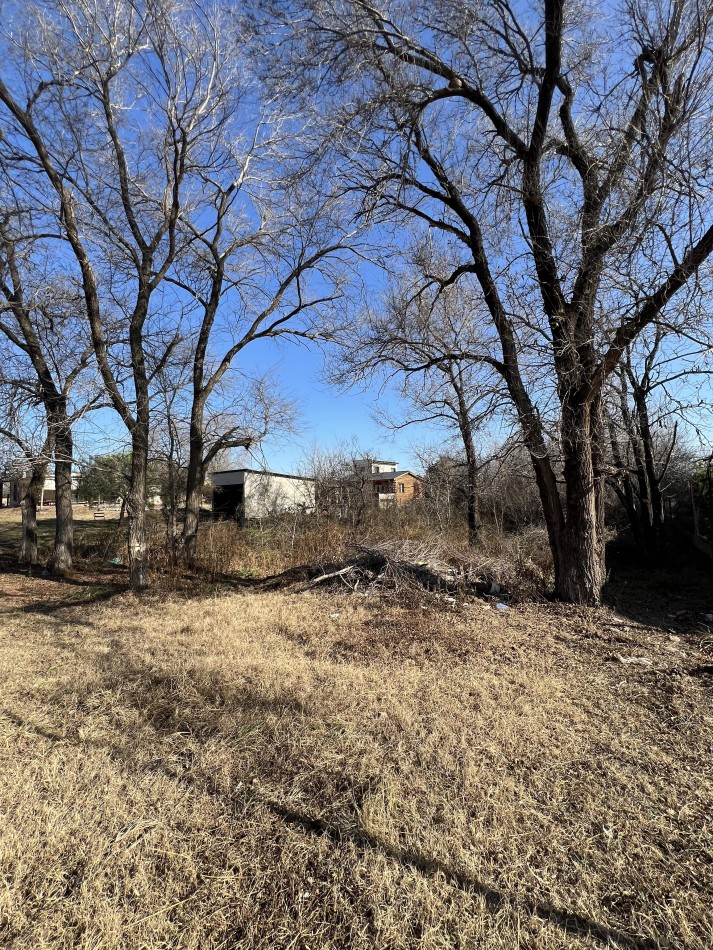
403	566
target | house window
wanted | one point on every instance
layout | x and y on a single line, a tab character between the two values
402	487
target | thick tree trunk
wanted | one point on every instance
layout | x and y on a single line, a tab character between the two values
61	561
29	505
194	497
136	511
579	548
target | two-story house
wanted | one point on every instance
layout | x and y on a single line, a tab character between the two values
390	484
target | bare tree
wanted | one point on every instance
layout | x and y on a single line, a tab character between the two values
540	147
143	124
272	281
118	178
28	444
413	338
342	483
39	318
660	388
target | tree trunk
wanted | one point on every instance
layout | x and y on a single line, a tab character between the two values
136	511
471	494
29	505
471	458
194	497
625	491
655	497
579	547
195	477
61	561
473	519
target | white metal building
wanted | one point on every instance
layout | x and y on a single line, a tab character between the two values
247	493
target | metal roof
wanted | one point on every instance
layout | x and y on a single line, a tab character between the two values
390	476
260	471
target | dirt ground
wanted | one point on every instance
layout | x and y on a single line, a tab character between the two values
271	769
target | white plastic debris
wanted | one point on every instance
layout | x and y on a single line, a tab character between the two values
635	660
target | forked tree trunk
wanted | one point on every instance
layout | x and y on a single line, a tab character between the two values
62	556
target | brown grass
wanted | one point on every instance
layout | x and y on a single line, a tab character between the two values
520	563
272	770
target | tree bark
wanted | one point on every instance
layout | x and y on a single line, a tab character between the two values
624	489
655	496
62	556
29	505
471	489
579	547
195	477
136	511
194	496
465	425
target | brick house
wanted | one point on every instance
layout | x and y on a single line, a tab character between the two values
390	484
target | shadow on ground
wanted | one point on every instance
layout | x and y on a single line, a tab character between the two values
669	594
201	706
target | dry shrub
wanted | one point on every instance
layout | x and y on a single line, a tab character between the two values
270	547
518	562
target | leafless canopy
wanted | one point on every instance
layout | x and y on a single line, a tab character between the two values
560	156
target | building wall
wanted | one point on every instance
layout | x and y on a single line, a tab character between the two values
274	494
408	487
374	466
15	487
245	494
401	490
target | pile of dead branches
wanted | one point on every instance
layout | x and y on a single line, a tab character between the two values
402	566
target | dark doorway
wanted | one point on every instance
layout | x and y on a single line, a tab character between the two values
228	501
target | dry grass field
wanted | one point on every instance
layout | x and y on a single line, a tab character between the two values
276	769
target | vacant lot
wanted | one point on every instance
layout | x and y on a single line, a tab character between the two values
271	769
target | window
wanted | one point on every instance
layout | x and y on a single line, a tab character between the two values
402	487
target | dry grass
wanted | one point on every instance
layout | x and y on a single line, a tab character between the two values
272	770
520	563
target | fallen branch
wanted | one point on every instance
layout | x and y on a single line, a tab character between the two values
329	577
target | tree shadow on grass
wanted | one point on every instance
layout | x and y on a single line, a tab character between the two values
204	702
185	703
90	594
495	900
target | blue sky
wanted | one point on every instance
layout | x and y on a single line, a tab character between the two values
327	417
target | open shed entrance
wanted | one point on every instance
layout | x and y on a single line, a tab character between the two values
229	502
